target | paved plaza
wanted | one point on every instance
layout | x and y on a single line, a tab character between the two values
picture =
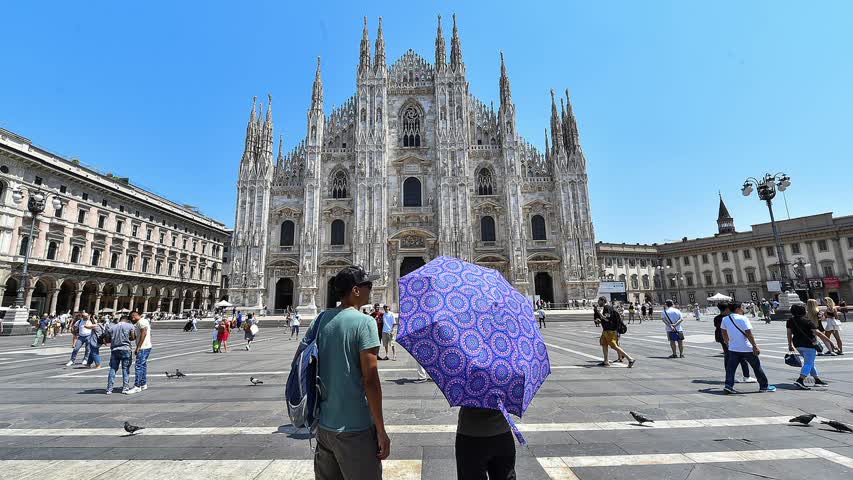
56	422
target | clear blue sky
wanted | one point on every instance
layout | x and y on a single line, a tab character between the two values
675	100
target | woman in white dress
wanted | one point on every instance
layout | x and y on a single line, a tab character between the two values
833	326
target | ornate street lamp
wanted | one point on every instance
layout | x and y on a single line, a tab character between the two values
36	205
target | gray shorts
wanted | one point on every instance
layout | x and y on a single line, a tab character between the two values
347	455
386	339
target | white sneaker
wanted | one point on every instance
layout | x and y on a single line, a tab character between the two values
70	362
144	387
109	392
749	380
132	391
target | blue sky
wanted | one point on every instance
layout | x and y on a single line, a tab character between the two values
675	100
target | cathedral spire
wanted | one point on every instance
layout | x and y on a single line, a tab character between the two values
506	93
556	127
379	57
455	48
440	48
547	148
279	161
725	222
317	94
571	127
250	129
364	59
267	135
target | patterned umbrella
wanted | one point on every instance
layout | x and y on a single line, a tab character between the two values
475	335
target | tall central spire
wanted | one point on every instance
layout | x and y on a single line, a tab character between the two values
364	59
379	58
556	126
573	142
440	48
455	48
317	93
506	93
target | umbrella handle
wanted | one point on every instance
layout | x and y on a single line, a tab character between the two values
515	430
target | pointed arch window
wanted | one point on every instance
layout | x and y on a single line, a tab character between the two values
537	226
286	238
412	192
485	182
487	229
410	130
338	233
340	185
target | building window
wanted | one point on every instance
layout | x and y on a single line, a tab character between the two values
412	192
121	208
148	234
52	248
114	260
131	260
192	273
485	182
645	282
96	258
85	196
81	216
771	251
795	248
38	180
75	254
134	230
174	239
195	245
487	229
338	233
286	237
171	269
669	262
634	282
725	256
609	262
632	263
25	246
850	242
620	262
158	267
750	276
704	258
104	202
185	244
63	189
687	260
747	254
145	265
730	279
119	226
411	127
642	264
672	282
340	185
821	246
689	280
708	279
102	220
828	271
537	226
162	238
57	213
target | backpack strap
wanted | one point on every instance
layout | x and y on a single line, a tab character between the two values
738	328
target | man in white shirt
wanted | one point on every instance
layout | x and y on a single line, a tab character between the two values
737	332
388	322
143	350
673	320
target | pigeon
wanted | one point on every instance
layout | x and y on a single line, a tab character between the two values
256	381
179	374
804	419
169	375
132	429
640	419
838	426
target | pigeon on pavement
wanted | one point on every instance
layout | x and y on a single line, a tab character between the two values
804	419
838	426
179	374
132	429
641	419
256	381
169	375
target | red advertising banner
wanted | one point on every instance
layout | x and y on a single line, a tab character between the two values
831	282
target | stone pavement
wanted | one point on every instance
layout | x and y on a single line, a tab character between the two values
56	422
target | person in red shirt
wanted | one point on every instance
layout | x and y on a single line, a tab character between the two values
224	331
377	315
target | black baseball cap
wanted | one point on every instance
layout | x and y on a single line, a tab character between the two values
352	276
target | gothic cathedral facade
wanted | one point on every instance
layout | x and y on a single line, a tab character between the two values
412	166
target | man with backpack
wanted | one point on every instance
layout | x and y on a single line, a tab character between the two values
673	320
351	436
120	336
611	326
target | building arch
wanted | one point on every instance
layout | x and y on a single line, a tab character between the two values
487	228
283	294
338	232
537	227
543	285
412	192
286	233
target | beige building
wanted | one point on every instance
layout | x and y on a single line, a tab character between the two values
109	245
818	248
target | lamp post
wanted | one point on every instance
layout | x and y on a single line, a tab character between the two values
660	268
767	187
36	205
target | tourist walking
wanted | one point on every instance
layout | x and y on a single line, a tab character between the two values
80	338
833	326
632	312
484	445
351	438
142	352
642	312
737	333
611	323
540	314
223	334
377	316
42	326
93	360
388	322
673	320
651	311
718	336
294	326
802	337
697	312
815	316
250	328
121	335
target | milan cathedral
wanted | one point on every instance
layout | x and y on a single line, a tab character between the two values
410	167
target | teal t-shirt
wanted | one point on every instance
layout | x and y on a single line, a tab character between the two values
344	334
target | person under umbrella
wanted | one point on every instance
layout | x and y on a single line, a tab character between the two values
476	336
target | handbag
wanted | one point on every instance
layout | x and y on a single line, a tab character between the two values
253	329
793	360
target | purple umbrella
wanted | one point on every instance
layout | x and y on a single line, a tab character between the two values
475	334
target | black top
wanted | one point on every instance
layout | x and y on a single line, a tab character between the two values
608	322
802	332
481	422
718	330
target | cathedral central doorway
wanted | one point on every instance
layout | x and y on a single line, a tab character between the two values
332	297
544	286
283	294
410	264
